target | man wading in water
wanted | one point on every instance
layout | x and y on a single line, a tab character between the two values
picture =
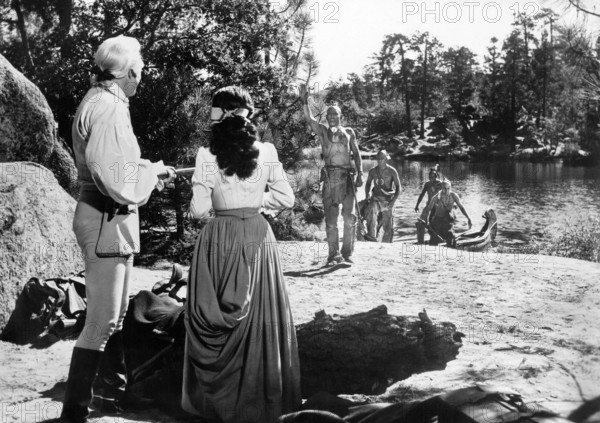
385	193
431	188
339	187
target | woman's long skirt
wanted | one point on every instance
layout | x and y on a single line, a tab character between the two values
241	358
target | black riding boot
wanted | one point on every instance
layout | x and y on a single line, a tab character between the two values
112	375
82	372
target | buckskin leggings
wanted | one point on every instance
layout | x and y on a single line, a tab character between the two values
106	282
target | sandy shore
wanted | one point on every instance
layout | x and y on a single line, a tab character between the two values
531	322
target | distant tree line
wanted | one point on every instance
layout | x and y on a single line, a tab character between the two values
543	80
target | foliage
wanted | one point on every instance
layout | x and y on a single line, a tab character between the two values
389	118
578	238
460	81
190	48
288	227
538	82
455	131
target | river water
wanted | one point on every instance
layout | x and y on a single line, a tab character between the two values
527	197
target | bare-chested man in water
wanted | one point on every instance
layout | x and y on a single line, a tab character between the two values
431	188
386	189
337	143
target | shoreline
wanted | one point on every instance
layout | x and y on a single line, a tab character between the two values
530	322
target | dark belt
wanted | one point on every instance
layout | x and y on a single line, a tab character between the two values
346	169
242	213
103	203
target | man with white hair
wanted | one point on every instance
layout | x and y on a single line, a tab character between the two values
339	146
114	181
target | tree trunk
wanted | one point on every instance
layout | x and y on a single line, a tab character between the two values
406	92
526	38
65	10
367	352
178	204
16	5
108	20
513	109
544	89
424	92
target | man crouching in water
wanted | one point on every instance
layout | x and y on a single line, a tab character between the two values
337	143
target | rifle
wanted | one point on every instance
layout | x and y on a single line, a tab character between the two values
184	171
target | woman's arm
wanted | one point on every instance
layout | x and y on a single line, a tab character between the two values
203	182
280	194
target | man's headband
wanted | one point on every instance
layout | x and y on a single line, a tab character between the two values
218	114
334	107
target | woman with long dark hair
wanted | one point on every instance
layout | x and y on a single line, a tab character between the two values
241	360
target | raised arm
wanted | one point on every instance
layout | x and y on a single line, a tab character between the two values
357	158
423	192
314	125
462	209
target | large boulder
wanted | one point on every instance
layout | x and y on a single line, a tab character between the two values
28	131
36	236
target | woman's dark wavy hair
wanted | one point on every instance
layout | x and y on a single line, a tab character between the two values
233	138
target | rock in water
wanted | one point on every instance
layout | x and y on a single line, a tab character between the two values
27	127
365	353
36	235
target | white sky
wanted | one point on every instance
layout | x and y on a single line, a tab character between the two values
346	33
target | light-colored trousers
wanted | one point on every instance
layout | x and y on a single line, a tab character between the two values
106	282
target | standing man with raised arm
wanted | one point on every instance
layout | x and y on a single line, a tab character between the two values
339	146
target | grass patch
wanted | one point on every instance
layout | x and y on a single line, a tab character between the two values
577	237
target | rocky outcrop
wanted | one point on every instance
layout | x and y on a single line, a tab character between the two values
364	353
28	131
36	236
